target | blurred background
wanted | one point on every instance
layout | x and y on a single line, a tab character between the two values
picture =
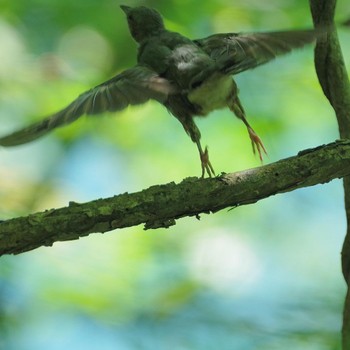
264	276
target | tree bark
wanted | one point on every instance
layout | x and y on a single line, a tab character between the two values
159	206
334	80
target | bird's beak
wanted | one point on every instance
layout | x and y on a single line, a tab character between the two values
125	8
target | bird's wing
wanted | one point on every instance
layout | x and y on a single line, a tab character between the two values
133	86
236	52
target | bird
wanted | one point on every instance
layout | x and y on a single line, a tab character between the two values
191	78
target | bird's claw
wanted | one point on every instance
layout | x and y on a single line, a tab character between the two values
206	165
257	144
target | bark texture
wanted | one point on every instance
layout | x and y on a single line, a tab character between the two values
161	205
334	80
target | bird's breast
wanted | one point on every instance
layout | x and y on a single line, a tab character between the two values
213	93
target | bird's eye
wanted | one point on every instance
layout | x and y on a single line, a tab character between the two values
130	18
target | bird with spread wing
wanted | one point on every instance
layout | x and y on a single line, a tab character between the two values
189	77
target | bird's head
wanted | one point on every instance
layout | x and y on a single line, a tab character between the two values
143	21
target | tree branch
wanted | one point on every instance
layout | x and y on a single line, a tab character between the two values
334	81
159	206
329	63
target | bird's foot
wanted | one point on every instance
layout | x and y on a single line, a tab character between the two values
206	165
256	143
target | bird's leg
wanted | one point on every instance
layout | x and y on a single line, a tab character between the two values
193	131
256	140
205	162
257	144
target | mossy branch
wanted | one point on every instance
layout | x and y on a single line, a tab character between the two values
159	206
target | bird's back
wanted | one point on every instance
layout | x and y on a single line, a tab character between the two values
174	57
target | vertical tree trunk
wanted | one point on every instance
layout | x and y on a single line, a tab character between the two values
334	80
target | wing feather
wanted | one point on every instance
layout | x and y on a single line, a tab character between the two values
237	52
132	87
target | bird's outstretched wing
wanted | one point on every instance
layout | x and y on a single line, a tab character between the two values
237	52
133	86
